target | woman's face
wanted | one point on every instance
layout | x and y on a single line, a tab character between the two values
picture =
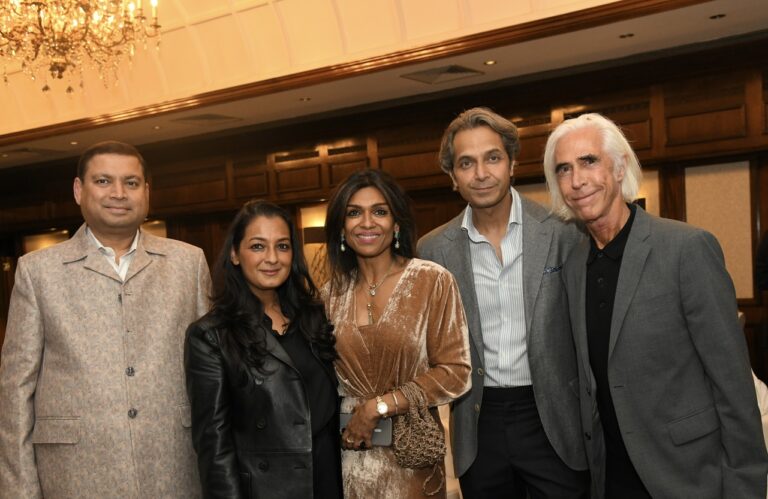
369	226
265	254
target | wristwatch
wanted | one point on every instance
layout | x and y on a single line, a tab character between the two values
381	407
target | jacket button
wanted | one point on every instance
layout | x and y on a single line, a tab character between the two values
588	435
130	371
477	407
132	413
480	371
263	466
261	424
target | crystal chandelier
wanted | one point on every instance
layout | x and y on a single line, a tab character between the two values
59	37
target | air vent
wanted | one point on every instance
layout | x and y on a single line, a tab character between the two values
206	119
444	74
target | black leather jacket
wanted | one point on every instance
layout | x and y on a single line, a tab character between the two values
252	434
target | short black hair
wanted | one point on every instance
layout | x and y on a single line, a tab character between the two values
109	147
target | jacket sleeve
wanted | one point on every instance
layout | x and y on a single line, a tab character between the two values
203	285
447	343
208	392
709	304
21	361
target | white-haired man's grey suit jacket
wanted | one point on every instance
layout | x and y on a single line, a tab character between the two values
546	244
678	367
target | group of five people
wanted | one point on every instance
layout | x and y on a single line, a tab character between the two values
587	350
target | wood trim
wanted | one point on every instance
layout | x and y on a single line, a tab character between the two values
542	28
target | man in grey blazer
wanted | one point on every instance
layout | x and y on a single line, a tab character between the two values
517	431
667	400
91	379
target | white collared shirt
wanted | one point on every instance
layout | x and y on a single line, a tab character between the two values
499	290
120	264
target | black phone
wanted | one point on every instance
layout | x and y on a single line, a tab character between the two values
382	434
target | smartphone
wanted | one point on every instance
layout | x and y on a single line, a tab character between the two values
382	434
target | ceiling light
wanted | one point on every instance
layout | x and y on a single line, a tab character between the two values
626	35
489	62
305	99
61	36
73	143
156	127
717	16
5	154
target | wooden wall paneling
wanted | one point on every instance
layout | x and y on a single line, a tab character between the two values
7	270
433	208
181	186
533	130
764	106
346	158
706	109
298	174
672	192
250	179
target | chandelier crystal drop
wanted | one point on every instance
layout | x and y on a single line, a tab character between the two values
57	38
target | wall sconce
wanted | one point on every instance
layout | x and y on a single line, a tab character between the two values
314	235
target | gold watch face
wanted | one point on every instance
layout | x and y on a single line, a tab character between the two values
382	408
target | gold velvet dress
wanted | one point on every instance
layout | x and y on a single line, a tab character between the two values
421	335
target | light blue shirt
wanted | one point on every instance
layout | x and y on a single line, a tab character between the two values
499	289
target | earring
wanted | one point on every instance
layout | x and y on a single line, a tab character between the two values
343	248
397	239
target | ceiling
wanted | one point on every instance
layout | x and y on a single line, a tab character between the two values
216	72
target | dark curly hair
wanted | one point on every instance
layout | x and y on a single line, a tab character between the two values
239	313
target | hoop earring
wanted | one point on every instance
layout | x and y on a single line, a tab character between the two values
343	248
397	239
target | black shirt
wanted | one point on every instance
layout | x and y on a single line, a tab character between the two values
603	268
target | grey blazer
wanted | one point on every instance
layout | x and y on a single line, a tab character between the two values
678	367
546	243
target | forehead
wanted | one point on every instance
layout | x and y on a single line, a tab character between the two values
118	165
268	228
481	138
579	143
367	196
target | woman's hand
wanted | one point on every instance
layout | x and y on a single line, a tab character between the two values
359	431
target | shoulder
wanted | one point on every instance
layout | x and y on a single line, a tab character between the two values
440	235
673	231
426	270
205	329
169	247
45	256
569	231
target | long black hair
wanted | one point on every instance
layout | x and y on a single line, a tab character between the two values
239	313
343	263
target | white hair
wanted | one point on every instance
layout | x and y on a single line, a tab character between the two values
614	144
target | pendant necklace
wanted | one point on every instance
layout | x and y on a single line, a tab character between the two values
372	287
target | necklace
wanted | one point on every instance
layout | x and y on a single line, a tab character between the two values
372	287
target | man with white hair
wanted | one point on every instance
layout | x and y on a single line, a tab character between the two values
667	402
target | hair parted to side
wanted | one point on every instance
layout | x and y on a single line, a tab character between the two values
344	264
109	147
474	118
614	144
238	311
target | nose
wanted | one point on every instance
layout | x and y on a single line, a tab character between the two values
118	190
271	255
481	171
577	179
367	219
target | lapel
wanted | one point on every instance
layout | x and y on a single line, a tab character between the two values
82	249
576	272
148	248
276	349
457	258
537	240
632	264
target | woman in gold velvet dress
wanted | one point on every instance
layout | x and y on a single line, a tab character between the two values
398	320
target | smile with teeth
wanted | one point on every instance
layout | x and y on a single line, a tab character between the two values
367	237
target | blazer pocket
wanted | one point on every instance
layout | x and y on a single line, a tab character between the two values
694	426
185	415
56	430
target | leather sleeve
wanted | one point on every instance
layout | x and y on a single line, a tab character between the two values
208	392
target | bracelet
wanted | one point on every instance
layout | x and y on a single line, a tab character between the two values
394	397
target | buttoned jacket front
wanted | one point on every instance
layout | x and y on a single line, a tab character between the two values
92	381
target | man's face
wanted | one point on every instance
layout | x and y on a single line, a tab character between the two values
113	195
481	167
586	177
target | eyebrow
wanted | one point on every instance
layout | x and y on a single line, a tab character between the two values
261	238
587	156
375	205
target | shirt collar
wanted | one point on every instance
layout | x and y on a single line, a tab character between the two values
614	249
105	250
515	216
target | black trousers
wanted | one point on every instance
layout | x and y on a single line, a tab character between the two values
514	457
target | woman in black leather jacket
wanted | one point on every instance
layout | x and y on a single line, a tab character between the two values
259	370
